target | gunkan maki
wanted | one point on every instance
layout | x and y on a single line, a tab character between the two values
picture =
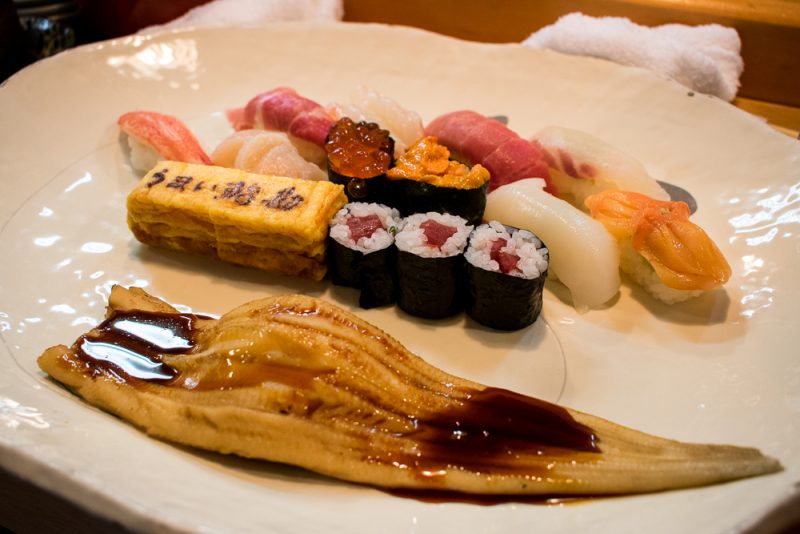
430	264
359	154
506	270
425	179
362	253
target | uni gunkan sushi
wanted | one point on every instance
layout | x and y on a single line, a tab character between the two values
362	253
359	154
425	179
506	270
430	264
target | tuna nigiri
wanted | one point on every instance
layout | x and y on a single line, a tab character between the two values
583	255
661	249
581	164
264	152
483	140
154	136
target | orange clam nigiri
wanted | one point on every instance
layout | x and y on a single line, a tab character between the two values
154	136
673	258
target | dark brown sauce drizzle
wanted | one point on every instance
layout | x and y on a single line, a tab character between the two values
130	344
445	497
495	431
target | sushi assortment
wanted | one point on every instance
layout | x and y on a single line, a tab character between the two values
580	195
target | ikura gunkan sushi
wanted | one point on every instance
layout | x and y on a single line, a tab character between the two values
430	264
505	272
362	253
425	179
359	154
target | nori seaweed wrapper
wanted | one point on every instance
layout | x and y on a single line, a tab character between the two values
411	196
431	288
360	189
502	301
372	274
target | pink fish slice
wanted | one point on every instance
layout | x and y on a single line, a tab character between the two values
164	134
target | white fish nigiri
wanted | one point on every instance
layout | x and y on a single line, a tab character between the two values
583	255
265	152
582	165
368	105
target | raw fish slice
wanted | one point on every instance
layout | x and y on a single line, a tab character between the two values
368	105
296	380
583	255
154	136
265	152
581	164
684	259
284	110
480	139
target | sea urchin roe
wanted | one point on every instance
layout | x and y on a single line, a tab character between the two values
358	149
428	161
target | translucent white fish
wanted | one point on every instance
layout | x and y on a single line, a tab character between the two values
583	255
265	152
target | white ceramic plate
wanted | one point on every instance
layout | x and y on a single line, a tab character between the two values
719	369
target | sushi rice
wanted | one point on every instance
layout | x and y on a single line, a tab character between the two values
379	240
533	257
411	238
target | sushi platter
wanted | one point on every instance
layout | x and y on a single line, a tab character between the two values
474	252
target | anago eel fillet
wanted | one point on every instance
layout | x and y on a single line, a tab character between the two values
294	379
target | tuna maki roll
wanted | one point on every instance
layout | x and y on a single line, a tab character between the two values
359	154
362	253
430	264
425	179
506	270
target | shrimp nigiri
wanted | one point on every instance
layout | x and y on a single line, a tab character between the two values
661	249
265	152
154	136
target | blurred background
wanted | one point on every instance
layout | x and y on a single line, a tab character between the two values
769	29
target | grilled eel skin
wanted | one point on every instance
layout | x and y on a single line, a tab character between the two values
294	379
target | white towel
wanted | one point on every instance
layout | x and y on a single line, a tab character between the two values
704	58
250	13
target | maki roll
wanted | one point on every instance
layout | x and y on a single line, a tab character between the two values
359	154
430	264
506	270
425	179
362	253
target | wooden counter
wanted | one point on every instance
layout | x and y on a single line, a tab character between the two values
769	29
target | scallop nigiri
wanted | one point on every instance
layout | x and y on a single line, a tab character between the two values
404	125
583	255
661	249
154	136
582	164
264	152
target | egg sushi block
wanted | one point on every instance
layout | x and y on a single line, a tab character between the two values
273	223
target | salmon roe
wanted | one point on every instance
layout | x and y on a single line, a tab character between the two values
359	149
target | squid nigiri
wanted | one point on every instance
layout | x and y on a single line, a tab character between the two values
581	164
583	255
154	136
264	152
661	249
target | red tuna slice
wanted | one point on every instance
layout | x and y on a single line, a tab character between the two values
365	226
506	260
482	140
437	233
515	160
283	109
